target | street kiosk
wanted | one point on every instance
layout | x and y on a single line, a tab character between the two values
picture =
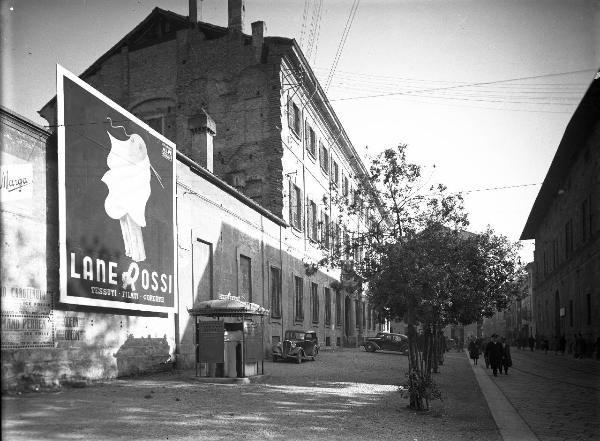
229	337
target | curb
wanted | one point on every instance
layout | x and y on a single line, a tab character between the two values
510	424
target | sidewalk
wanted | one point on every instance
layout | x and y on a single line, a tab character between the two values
512	427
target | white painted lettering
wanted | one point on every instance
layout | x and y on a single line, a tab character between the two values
163	282
74	274
145	279
88	274
112	273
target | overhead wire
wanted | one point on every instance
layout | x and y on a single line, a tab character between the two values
342	42
303	25
459	86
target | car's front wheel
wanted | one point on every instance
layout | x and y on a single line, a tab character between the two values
370	347
275	358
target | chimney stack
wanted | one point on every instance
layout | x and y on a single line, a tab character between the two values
203	130
235	15
193	17
259	29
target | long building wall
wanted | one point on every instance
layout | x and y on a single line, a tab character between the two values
566	290
46	342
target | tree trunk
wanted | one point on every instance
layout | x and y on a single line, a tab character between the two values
436	349
414	369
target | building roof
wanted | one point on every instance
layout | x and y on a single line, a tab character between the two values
11	114
574	140
139	36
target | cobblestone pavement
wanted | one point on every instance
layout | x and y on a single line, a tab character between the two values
557	396
344	395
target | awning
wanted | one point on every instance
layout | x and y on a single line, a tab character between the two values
227	306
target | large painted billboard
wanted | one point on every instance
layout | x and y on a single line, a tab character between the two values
116	179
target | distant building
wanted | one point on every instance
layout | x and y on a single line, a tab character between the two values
565	223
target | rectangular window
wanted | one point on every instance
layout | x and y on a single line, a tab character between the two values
156	122
357	319
369	314
584	220
299	298
312	221
338	308
310	140
202	260
295	206
314	301
325	230
327	306
324	158
345	186
347	246
357	203
246	278
571	313
275	292
335	173
337	237
363	314
568	238
588	301
294	117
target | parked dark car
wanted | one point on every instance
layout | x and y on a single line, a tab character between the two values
297	345
386	341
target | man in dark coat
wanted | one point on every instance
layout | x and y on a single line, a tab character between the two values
495	352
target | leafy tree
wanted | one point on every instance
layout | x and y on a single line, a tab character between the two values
420	263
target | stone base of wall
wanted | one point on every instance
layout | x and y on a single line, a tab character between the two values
32	369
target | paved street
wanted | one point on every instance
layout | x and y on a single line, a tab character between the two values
345	395
557	396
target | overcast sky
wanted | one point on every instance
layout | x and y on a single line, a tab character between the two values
482	89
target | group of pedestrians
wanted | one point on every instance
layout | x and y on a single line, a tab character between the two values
496	353
577	345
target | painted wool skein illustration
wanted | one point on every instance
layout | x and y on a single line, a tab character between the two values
128	182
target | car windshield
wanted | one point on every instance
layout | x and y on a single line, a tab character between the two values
294	335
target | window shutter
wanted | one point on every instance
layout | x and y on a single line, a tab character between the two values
309	219
290	111
300	210
291	202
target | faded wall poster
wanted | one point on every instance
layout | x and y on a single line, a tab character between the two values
26	318
116	202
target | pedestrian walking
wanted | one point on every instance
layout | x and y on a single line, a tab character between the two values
473	351
506	358
531	342
494	352
483	347
545	345
579	346
563	344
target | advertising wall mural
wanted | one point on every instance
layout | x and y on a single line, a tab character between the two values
116	202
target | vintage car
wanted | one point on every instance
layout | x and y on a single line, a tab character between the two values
297	345
386	341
